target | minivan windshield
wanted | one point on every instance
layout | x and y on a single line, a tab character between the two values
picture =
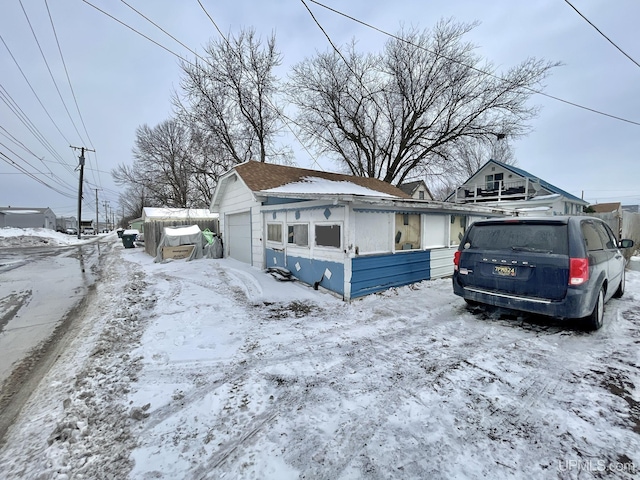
535	238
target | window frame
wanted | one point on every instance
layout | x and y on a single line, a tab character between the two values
397	246
324	225
291	242
275	242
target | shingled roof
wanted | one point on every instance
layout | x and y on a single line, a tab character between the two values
260	176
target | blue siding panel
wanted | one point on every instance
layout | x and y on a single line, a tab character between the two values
374	273
275	258
312	270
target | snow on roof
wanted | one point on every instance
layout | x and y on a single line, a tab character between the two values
316	185
178	232
153	212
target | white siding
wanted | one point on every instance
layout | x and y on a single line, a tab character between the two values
442	262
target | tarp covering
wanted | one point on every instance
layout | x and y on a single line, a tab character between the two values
177	236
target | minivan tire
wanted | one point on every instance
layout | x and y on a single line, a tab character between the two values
620	290
594	321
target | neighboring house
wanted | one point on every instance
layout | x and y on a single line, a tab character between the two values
499	184
417	190
137	224
351	235
28	217
607	208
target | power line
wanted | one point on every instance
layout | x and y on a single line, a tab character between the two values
601	33
66	71
44	58
136	31
472	67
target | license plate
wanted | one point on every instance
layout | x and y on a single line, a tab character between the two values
504	271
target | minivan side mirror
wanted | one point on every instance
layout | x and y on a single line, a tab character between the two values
626	243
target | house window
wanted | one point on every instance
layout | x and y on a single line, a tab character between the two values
274	232
328	236
493	181
407	231
458	227
421	195
298	234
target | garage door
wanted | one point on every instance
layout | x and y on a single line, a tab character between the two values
239	240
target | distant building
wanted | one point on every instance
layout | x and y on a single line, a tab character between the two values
606	207
22	217
416	190
506	186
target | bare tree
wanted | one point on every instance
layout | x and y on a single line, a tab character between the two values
408	111
230	98
162	166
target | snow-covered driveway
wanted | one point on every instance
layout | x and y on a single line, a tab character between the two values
211	369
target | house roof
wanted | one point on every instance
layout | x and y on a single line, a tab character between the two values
24	210
546	185
410	187
155	212
605	207
260	177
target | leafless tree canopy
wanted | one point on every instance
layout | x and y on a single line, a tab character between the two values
163	166
407	112
229	98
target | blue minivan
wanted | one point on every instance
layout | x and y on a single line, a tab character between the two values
562	267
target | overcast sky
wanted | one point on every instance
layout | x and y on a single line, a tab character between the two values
122	80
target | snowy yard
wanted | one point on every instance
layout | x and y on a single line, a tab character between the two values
212	369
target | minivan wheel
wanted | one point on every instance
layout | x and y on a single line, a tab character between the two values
620	290
594	321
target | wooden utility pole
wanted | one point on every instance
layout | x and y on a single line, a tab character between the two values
81	167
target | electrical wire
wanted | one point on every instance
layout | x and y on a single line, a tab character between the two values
44	58
601	33
66	71
532	90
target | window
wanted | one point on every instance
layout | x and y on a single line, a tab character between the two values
421	195
591	237
493	181
458	227
298	234
407	231
328	236
608	238
274	232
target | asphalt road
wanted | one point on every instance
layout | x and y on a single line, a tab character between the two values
41	291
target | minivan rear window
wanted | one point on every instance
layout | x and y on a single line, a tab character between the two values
536	238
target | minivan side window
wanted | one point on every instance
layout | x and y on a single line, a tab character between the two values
591	236
608	239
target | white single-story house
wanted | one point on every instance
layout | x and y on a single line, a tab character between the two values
24	217
351	235
506	186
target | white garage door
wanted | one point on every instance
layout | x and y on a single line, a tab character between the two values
239	228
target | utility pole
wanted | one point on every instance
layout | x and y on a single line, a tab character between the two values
81	166
97	219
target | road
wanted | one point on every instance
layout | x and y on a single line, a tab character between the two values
41	288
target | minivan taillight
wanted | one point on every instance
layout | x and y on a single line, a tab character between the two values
456	260
578	271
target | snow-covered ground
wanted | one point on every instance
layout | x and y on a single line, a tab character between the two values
213	369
